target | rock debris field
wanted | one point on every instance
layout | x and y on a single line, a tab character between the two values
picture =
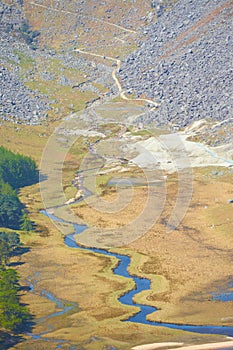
184	61
17	102
18	65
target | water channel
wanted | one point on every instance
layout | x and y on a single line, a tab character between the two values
141	284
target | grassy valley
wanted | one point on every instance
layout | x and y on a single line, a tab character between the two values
67	105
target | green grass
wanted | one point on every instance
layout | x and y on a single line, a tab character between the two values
102	184
142	132
26	62
64	99
67	100
56	67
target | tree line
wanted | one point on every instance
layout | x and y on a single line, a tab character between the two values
16	171
13	315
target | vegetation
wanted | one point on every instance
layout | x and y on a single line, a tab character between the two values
30	36
8	244
25	223
12	314
15	171
11	211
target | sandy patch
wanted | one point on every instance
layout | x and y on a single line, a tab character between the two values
173	152
214	346
156	346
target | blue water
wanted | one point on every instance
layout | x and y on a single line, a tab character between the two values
141	284
226	294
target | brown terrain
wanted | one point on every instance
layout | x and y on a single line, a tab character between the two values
195	258
185	265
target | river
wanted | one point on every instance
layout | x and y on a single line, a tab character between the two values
141	284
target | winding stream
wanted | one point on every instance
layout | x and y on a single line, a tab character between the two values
141	284
60	304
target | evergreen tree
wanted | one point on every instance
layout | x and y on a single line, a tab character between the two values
25	223
4	252
12	315
12	239
17	170
5	188
10	211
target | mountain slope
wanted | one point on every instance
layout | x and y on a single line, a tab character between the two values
184	61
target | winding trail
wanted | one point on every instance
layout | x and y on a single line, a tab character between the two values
85	16
141	284
114	76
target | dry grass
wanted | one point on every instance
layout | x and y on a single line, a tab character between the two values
190	259
24	139
180	265
87	280
72	275
194	256
100	217
87	25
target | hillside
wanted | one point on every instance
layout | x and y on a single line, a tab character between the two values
184	61
18	103
42	77
124	107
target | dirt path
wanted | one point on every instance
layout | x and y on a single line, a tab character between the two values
123	96
118	84
85	16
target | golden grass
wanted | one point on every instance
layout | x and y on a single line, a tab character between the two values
115	218
178	265
67	99
74	275
86	278
25	139
176	261
194	256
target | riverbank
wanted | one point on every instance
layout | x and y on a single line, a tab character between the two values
81	277
188	261
189	280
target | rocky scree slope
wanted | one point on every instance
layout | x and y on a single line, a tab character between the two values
17	102
23	61
184	61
